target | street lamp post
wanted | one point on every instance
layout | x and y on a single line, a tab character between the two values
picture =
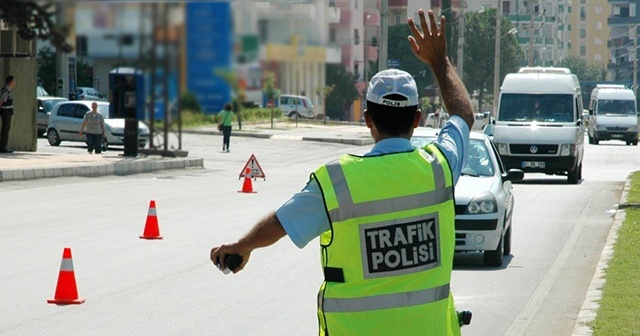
461	39
496	59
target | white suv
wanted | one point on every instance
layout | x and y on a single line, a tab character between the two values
67	117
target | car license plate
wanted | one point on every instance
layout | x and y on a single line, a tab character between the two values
533	164
616	136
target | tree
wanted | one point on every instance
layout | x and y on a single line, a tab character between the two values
399	49
585	71
343	94
270	91
479	47
47	70
239	93
323	93
35	20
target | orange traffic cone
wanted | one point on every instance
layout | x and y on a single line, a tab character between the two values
66	290
247	187
151	229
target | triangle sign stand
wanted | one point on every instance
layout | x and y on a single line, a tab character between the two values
254	166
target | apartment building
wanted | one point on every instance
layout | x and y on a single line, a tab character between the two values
623	20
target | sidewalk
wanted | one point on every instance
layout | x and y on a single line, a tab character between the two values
20	166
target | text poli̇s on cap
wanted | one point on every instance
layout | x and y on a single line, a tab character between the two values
393	82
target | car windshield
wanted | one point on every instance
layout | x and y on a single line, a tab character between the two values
50	103
536	107
611	106
479	161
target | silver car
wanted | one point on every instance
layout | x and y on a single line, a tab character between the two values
67	117
45	105
483	197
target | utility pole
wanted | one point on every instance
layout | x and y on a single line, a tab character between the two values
496	59
460	62
531	51
635	60
62	58
384	26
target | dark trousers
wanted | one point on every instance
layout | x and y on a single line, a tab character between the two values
226	137
94	142
4	131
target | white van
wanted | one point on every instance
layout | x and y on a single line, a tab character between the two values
539	127
613	114
296	106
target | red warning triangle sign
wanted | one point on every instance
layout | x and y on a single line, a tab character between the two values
256	170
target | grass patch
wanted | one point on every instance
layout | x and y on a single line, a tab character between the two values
192	119
618	312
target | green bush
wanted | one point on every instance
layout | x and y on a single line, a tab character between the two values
190	102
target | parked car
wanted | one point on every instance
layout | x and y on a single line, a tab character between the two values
483	198
436	122
296	106
89	93
45	105
67	117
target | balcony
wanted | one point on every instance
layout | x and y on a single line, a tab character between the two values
11	44
334	54
622	20
333	15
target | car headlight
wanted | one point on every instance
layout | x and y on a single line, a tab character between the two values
502	148
632	128
566	149
482	204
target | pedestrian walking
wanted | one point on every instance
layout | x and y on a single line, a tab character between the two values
385	219
225	117
94	124
6	113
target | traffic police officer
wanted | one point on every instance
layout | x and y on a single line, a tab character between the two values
385	219
6	113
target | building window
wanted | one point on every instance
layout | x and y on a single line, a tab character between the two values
598	10
583	14
81	45
632	9
583	33
356	37
332	35
599	25
398	19
332	3
597	57
597	41
583	50
356	2
263	27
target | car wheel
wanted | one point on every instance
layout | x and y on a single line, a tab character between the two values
494	258
595	140
294	115
104	144
635	142
580	172
573	176
507	242
53	137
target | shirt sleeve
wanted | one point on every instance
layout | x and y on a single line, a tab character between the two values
453	141
304	216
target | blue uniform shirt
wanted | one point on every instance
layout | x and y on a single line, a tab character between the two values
304	217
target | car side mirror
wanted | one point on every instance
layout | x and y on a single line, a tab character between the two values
513	175
579	122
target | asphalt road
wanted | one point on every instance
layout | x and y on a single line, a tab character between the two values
169	287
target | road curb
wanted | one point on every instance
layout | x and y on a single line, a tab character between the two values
96	170
591	304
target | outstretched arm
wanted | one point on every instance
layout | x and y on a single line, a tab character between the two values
265	233
430	47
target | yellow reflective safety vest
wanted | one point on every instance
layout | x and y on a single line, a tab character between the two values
388	256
